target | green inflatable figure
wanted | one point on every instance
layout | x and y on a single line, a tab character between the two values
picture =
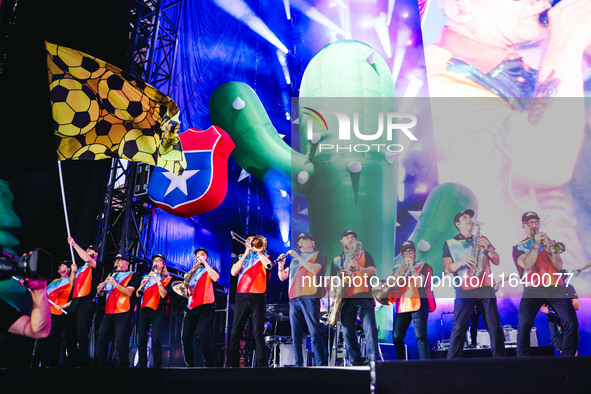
10	290
346	189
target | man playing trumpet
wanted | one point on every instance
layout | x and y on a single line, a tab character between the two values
539	267
304	296
251	269
200	309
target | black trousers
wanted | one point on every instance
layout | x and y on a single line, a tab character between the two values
48	350
529	306
464	309
149	317
253	306
79	322
116	325
198	319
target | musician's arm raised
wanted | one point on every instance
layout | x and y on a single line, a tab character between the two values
237	266
213	274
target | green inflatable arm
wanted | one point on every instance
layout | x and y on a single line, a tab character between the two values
237	109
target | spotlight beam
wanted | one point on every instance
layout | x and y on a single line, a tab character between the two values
391	4
314	14
383	33
287	9
241	11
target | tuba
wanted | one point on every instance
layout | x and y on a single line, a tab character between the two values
345	278
181	287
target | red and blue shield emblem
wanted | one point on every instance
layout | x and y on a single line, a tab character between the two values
203	184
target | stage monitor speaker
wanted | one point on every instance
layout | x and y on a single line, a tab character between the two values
142	178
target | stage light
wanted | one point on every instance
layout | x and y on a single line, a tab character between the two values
286	104
241	11
283	193
405	15
383	33
283	61
421	189
314	14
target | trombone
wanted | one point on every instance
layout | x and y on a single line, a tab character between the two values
258	243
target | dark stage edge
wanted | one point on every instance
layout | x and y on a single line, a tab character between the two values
540	375
564	375
186	380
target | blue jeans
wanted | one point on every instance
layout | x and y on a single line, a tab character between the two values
528	309
402	321
365	309
306	310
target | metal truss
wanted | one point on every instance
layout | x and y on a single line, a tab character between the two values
126	219
154	38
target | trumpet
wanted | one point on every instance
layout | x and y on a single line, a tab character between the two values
141	289
550	246
257	244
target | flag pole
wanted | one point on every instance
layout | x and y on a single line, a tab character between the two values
59	168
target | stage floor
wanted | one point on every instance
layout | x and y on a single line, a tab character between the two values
475	375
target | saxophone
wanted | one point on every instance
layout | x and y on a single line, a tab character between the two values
346	277
381	293
478	255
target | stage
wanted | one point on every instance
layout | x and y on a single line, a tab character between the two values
482	375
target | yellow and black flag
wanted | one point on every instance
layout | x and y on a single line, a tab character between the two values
101	112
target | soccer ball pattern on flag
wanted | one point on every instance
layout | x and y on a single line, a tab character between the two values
101	112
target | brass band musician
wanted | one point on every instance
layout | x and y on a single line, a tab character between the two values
118	288
304	296
358	299
251	269
153	296
539	266
414	300
469	256
199	312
